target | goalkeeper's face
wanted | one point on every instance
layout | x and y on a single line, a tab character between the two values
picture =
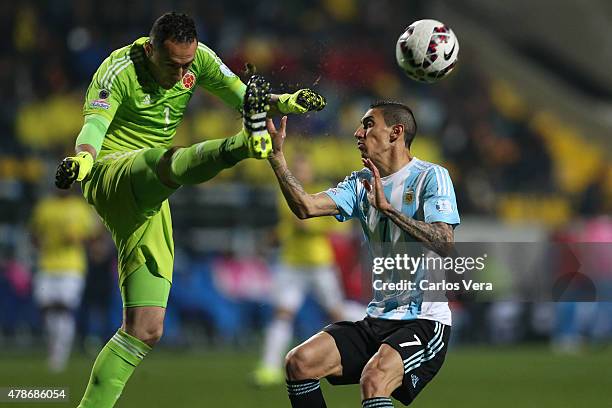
170	61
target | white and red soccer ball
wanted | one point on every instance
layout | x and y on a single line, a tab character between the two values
427	51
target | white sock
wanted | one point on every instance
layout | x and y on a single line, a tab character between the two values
278	335
61	330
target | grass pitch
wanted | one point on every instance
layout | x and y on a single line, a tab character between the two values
471	377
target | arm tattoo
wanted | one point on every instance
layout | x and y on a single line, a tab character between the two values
289	181
292	189
302	204
437	236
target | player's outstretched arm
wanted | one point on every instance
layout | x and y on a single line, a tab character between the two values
302	204
437	236
89	141
301	101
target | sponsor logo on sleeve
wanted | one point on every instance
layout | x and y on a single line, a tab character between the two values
444	206
99	103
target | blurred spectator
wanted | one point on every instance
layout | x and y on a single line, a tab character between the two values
306	264
99	285
60	225
595	201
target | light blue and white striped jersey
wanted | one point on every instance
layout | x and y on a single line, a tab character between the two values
420	190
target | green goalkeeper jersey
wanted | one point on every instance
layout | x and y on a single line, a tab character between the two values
143	115
140	112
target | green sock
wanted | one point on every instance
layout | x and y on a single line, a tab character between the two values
113	367
202	161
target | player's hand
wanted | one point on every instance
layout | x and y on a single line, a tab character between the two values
73	169
277	135
302	101
376	193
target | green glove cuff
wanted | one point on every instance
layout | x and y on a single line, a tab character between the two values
85	160
302	101
287	103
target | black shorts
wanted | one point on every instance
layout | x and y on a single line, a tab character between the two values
421	343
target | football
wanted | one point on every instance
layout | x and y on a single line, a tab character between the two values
427	51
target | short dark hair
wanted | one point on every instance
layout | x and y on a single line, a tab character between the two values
178	27
397	113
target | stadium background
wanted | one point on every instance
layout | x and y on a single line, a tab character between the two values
523	126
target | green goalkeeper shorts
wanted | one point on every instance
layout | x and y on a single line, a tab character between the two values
124	189
143	288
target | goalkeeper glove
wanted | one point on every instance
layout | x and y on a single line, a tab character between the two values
302	101
73	169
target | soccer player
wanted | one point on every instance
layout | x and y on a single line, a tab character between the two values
60	226
133	106
306	263
401	344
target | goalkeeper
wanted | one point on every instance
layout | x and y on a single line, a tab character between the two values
133	106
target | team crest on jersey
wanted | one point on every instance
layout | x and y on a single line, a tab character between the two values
409	196
189	80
